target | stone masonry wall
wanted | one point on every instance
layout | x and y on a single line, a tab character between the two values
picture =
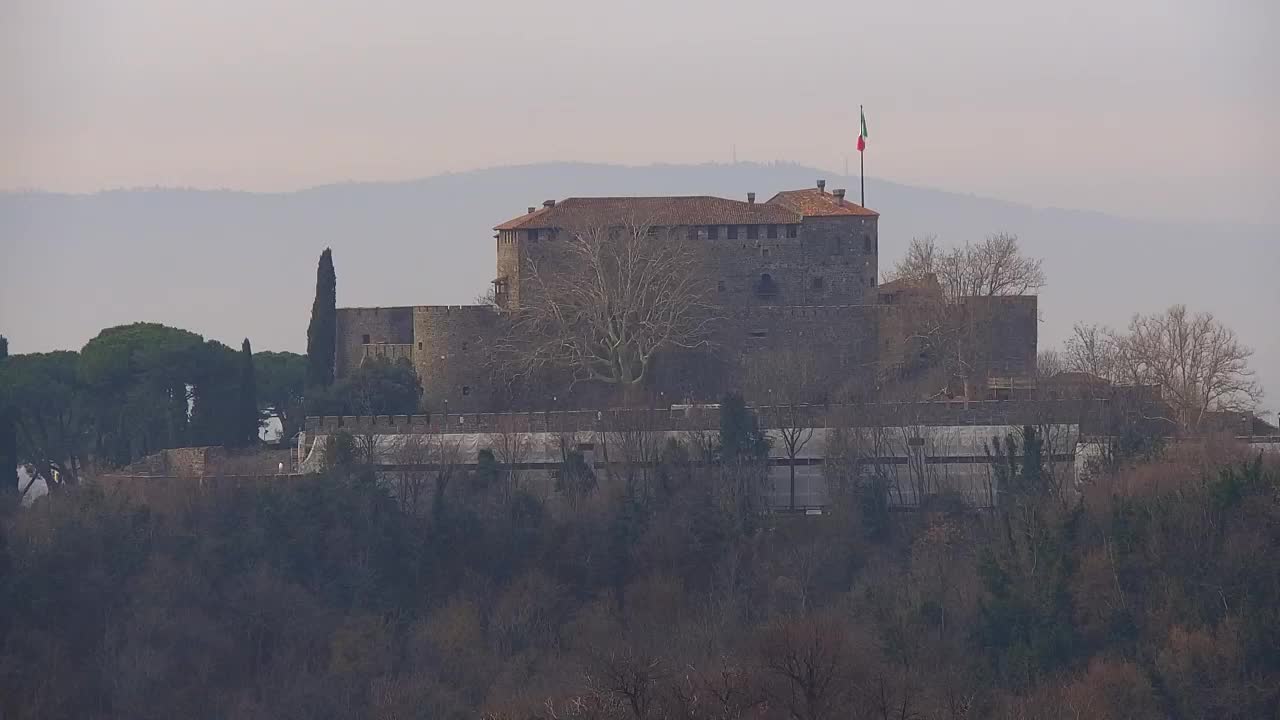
1085	413
1005	331
451	354
390	325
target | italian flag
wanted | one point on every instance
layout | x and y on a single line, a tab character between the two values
862	134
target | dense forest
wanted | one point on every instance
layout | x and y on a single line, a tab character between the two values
1153	593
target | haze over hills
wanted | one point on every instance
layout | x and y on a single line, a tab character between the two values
229	264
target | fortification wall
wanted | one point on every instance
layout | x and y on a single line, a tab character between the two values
828	263
1005	330
357	327
1084	413
452	353
509	268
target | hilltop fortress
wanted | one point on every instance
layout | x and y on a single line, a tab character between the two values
797	273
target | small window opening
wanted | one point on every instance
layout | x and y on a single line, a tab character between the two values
753	232
692	233
866	244
764	252
772	232
466	389
792	231
364	339
759	333
713	232
464	346
816	283
419	344
766	287
532	234
733	232
720	286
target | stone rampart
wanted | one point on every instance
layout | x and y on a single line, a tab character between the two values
707	417
357	328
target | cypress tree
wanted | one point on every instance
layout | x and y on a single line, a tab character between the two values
247	418
8	438
322	332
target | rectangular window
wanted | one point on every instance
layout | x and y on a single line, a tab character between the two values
772	232
792	230
720	286
871	281
364	339
733	232
816	283
692	234
713	231
759	333
753	232
532	234
419	344
866	244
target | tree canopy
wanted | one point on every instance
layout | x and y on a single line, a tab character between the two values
378	386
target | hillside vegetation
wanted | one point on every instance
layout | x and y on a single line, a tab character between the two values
1155	595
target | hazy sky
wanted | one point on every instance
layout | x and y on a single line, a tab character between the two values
1142	107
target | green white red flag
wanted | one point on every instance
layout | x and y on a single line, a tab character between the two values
862	132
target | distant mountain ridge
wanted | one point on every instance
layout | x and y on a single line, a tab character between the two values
231	263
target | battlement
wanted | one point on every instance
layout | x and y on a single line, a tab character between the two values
702	418
455	310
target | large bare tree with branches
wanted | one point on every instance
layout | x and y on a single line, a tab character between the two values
616	296
1095	350
787	382
1197	362
995	266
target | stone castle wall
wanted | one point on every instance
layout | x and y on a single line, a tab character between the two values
361	327
812	293
451	354
854	347
1087	413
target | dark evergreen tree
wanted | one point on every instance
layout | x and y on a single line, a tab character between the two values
8	437
248	420
322	332
740	435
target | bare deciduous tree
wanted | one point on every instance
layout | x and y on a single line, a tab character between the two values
786	381
1197	361
1093	349
617	296
995	266
1049	363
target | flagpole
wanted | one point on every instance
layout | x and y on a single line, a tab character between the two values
862	168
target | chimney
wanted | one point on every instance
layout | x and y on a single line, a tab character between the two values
839	193
531	209
822	186
751	198
548	203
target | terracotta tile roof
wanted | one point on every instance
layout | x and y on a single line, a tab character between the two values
666	211
814	202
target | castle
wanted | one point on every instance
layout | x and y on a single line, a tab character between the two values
796	273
